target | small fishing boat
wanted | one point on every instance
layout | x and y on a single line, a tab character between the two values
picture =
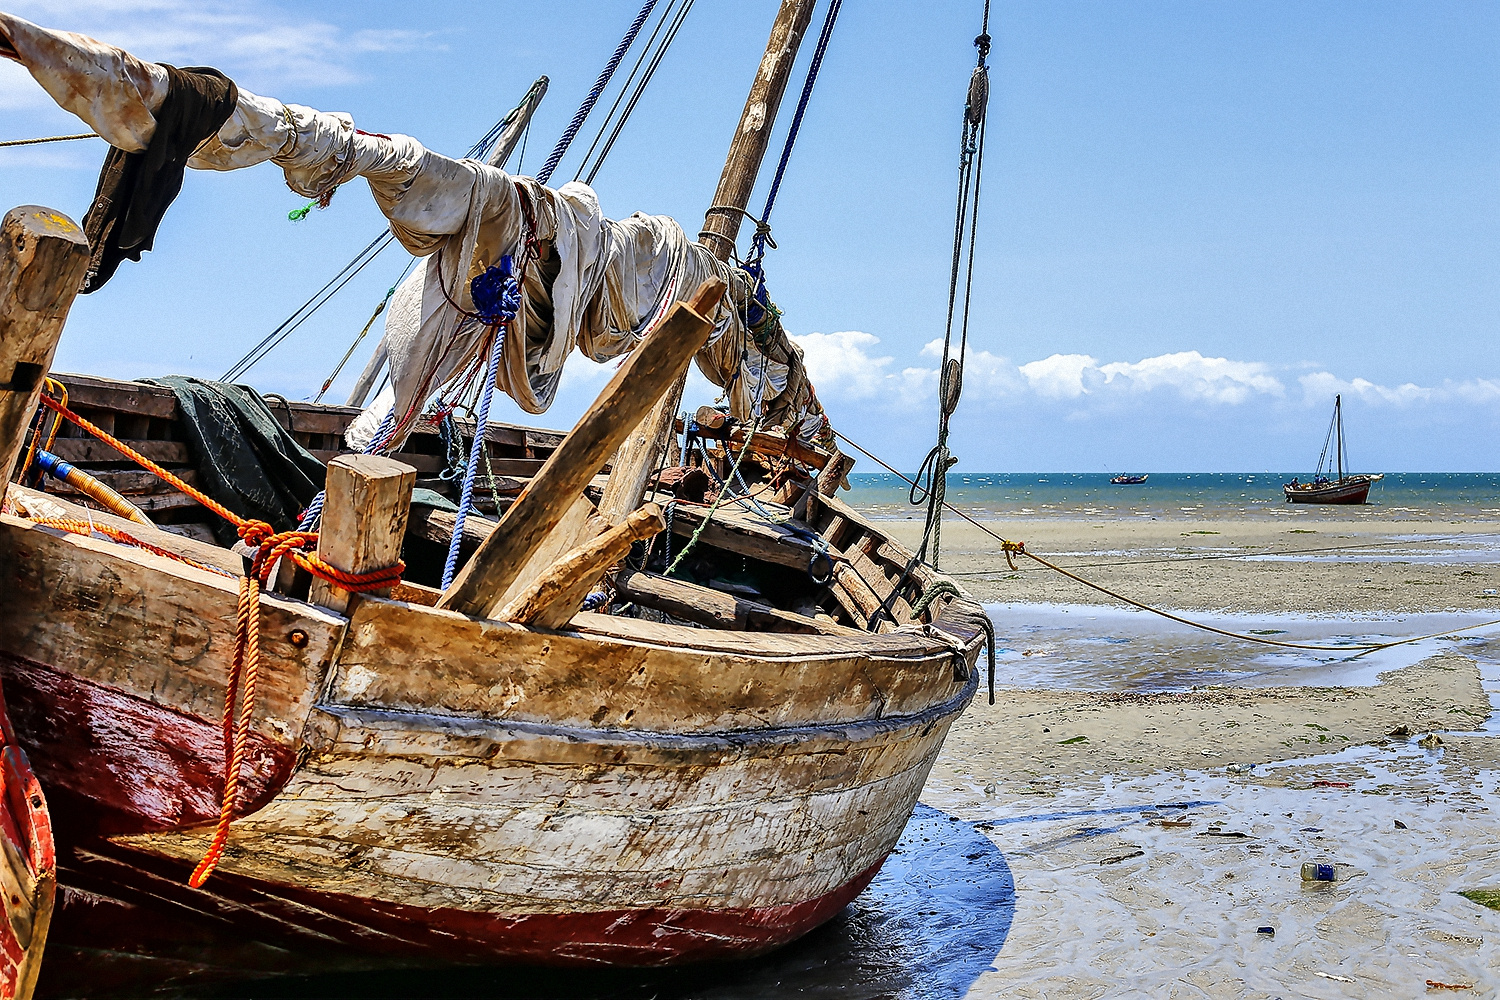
1128	480
1342	487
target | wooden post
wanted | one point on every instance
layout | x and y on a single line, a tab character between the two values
555	596
632	466
630	394
43	257
364	521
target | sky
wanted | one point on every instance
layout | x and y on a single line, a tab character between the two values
1199	221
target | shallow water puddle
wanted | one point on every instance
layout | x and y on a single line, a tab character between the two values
1091	647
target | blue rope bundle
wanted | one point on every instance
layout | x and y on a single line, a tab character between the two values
497	297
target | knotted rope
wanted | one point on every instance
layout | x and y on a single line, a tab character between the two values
271	546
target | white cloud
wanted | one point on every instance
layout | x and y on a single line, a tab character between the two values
257	43
848	367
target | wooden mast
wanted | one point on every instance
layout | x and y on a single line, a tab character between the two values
1338	422
637	456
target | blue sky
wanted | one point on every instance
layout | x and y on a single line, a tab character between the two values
1200	221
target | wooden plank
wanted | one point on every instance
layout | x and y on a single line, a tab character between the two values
364	521
131	482
745	535
717	609
556	595
80	450
189	548
92	392
43	257
635	387
642	446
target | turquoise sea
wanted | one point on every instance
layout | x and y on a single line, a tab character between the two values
1404	495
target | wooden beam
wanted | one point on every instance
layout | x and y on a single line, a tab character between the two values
364	521
632	392
43	257
717	609
556	595
640	450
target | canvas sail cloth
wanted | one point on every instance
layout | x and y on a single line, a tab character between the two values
599	286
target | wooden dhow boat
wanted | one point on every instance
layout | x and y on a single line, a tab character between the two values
1342	488
344	771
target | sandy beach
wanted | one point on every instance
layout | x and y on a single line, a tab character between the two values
1152	834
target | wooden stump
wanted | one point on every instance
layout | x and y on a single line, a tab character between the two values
364	521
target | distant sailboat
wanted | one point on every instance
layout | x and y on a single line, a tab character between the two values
1346	489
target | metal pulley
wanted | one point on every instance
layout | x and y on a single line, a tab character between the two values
979	94
952	385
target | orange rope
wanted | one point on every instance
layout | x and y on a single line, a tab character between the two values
270	546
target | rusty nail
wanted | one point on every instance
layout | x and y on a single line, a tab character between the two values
298	638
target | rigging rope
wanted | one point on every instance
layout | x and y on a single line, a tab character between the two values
507	307
566	139
640	89
931	483
49	138
1012	549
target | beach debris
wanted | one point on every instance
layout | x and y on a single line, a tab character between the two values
1400	732
989	791
1071	740
1240	768
1171	824
1330	975
1484	896
1433	984
1400	825
1267	931
1312	871
1215	831
1320	783
1311	829
1430	742
1037	652
1123	857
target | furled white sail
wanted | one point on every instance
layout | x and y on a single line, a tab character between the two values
599	286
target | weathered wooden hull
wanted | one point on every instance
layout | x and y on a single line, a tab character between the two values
429	787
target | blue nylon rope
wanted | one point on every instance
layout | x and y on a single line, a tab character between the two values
791	136
545	173
502	310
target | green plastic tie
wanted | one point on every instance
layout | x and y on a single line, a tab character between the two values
298	214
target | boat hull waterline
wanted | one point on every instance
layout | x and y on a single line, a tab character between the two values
1349	490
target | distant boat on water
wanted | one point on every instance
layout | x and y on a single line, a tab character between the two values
1345	488
1128	480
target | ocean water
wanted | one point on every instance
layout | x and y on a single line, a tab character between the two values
1437	496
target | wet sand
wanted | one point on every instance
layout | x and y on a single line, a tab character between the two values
1323	566
1151	833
